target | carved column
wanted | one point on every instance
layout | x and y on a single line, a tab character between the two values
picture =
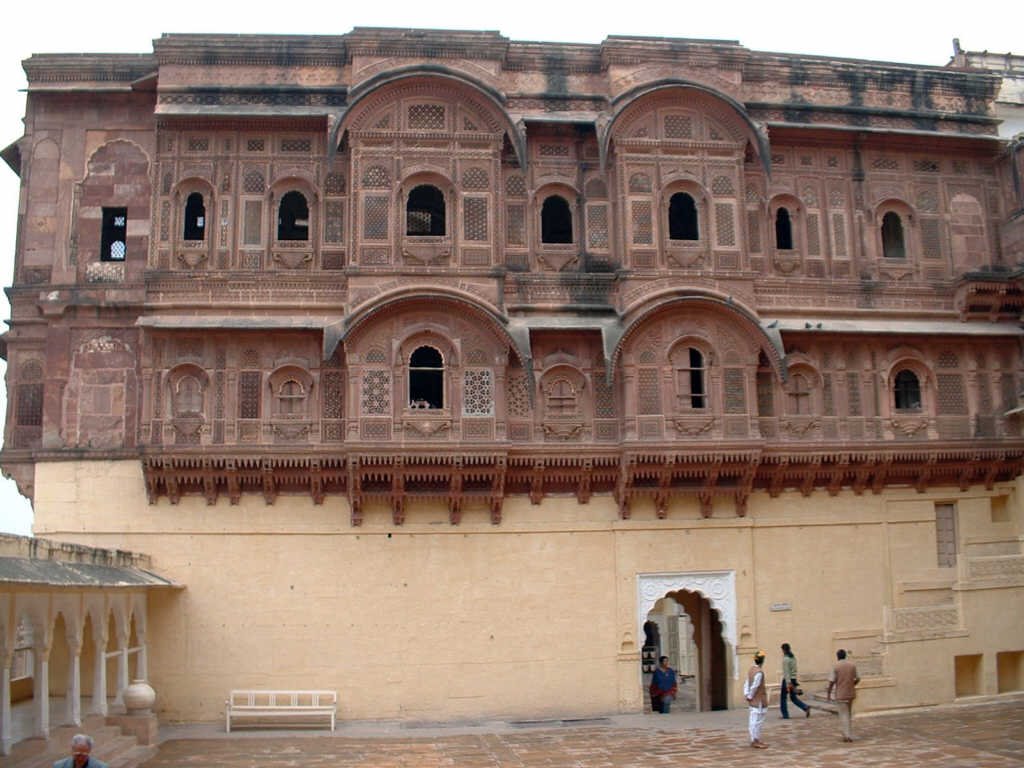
73	694
41	682
123	638
99	680
6	737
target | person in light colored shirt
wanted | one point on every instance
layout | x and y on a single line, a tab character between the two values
844	679
756	693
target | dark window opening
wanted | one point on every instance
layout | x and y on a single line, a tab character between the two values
293	217
426	379
555	221
195	217
29	405
783	230
691	381
893	246
425	212
114	236
907	392
682	217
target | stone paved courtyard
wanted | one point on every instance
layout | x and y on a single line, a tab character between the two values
983	735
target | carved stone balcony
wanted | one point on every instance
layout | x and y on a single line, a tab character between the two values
426	251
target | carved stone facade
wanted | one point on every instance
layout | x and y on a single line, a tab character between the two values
393	271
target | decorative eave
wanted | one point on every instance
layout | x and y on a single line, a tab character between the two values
990	295
663	474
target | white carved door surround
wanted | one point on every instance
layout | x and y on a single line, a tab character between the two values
718	587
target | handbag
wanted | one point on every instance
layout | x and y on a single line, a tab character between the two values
795	688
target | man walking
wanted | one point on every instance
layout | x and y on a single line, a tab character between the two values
844	680
756	693
663	687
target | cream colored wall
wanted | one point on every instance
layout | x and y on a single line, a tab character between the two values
534	617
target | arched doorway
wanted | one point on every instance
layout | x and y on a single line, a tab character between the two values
691	618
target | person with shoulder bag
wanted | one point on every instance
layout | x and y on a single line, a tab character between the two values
790	686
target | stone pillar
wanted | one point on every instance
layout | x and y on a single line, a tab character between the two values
6	738
41	688
123	638
73	695
99	678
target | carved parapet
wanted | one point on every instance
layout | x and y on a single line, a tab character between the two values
104	272
426	251
680	253
922	623
426	425
1001	570
694	426
293	258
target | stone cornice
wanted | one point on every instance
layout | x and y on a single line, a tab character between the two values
251	50
100	69
661	474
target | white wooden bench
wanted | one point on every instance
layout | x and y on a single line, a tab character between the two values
268	705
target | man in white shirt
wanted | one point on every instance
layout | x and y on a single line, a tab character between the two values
756	693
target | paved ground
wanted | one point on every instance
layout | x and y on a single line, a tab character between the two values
988	735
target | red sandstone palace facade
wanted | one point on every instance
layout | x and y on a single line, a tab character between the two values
393	272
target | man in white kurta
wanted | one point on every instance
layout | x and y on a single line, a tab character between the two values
756	693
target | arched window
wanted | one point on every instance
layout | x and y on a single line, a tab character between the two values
424	211
426	378
293	217
893	246
188	397
555	220
682	217
195	217
906	391
798	393
783	230
560	398
290	397
691	379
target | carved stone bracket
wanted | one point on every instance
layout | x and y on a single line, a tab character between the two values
692	426
293	259
909	426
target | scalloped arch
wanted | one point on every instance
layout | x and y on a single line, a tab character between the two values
485	101
722	108
673	299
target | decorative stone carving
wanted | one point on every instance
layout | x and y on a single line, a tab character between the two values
800	427
426	426
290	432
558	430
293	259
681	256
909	426
427	251
557	259
786	262
192	258
692	426
719	587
